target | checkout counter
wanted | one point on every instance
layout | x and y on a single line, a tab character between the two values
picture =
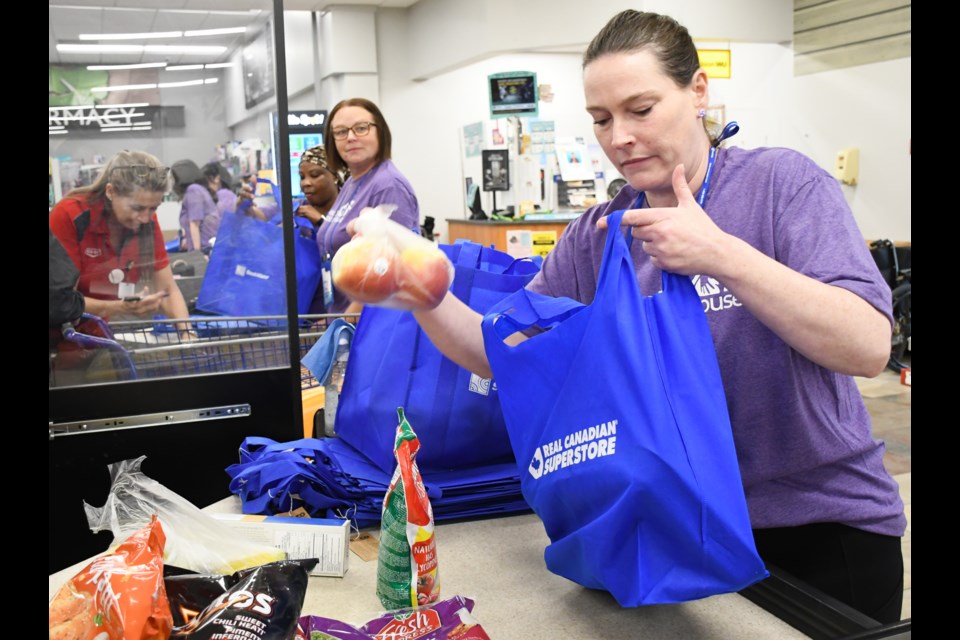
498	562
495	232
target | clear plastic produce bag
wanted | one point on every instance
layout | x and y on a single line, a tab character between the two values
195	541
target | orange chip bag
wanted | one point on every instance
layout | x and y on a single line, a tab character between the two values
119	596
407	573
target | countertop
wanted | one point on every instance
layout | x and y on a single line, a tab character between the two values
513	222
498	562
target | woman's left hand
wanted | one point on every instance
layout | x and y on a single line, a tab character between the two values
681	239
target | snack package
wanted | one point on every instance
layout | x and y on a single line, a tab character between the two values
119	596
195	541
388	265
259	603
449	619
407	573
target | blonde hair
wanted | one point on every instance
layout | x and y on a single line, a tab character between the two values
127	171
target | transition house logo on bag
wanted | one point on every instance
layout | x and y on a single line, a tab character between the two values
481	386
242	271
581	445
713	295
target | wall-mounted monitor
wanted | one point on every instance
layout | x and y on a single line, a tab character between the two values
513	94
306	131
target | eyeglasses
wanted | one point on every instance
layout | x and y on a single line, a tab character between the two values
359	129
140	172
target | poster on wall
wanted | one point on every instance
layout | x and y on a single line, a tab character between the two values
716	62
472	139
525	243
257	62
496	170
574	161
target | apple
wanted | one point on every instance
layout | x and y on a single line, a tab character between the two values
426	274
366	269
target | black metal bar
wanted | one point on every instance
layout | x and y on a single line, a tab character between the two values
281	166
813	612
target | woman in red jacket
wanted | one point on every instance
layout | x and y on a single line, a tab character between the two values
110	231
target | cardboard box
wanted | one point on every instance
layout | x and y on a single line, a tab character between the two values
326	539
905	376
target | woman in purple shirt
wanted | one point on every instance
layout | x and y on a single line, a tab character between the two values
199	216
220	183
358	141
795	304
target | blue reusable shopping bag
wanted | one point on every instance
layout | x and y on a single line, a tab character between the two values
617	416
245	276
392	364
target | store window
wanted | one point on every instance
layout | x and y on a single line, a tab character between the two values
183	391
182	273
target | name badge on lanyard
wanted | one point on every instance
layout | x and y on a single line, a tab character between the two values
326	280
117	277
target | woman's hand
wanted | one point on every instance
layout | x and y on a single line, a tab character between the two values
144	303
681	239
311	213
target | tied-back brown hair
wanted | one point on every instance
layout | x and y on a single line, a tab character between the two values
668	40
336	164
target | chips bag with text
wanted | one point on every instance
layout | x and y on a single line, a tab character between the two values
449	619
256	603
407	562
118	596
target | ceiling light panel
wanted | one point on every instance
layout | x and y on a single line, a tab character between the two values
143	35
68	21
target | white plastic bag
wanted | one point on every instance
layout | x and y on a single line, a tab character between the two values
195	541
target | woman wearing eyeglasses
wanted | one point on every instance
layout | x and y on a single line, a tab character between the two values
110	231
358	141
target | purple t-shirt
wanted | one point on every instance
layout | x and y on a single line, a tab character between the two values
198	205
226	201
384	184
802	432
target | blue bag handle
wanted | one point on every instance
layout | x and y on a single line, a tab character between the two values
274	188
524	309
477	253
247	203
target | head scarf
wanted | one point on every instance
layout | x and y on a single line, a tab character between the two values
318	156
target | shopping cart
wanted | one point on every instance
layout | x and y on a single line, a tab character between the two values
95	351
